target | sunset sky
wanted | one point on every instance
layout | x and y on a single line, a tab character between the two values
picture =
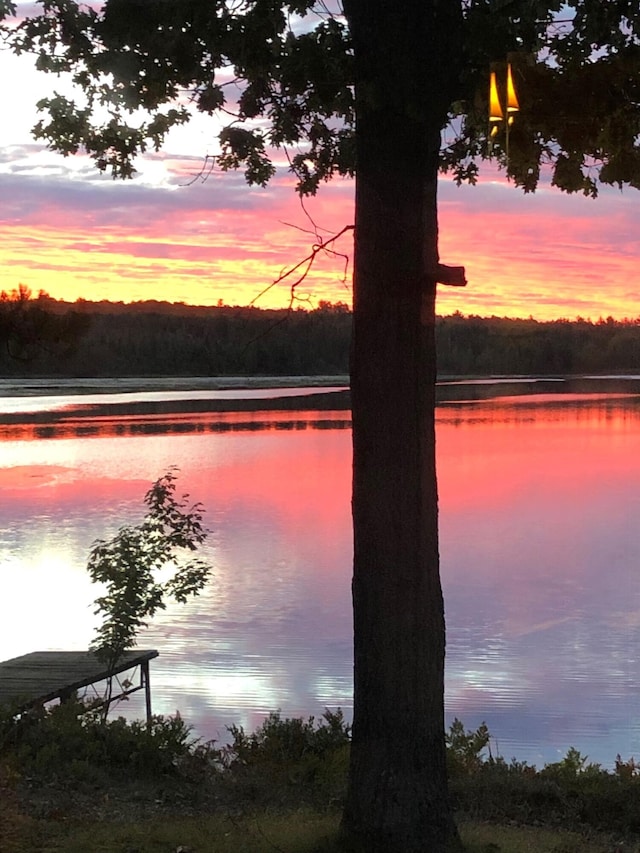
168	235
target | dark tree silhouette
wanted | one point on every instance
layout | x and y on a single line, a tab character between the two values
30	330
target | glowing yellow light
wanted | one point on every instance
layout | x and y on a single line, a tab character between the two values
495	110
512	99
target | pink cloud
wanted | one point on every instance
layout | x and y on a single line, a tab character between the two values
78	234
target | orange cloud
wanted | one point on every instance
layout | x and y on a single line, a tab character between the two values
546	255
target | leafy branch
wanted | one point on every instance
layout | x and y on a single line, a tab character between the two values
129	565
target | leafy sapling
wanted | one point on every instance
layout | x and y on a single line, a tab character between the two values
131	565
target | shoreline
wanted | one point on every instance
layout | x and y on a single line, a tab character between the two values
80	386
48	386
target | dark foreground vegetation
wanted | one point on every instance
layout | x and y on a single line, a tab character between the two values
163	339
70	782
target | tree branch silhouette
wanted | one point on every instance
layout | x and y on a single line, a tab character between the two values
303	268
305	265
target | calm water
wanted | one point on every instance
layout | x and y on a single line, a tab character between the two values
539	508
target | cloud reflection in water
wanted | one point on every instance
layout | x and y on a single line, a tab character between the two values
539	548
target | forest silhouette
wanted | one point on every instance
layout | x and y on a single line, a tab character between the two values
154	338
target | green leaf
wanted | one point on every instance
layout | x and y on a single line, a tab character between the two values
7	7
127	565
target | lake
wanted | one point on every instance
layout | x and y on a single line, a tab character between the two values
539	504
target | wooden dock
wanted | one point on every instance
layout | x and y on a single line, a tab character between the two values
40	677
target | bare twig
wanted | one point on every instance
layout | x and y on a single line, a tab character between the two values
208	165
304	266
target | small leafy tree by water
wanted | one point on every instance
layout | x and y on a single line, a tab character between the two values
130	566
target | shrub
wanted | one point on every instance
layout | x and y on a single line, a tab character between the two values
289	740
69	739
308	755
129	566
465	748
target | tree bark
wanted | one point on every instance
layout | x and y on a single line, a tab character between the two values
397	797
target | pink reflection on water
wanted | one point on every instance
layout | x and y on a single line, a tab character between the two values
538	509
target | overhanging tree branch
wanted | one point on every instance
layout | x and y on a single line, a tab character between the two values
304	266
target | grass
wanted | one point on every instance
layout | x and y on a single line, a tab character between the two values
303	831
486	838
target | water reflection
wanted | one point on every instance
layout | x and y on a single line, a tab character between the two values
539	507
147	413
539	529
130	425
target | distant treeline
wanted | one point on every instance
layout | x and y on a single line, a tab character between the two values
157	339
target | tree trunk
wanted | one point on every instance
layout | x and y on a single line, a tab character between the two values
397	799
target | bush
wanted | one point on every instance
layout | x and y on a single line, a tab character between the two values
308	755
290	740
571	793
465	749
70	739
